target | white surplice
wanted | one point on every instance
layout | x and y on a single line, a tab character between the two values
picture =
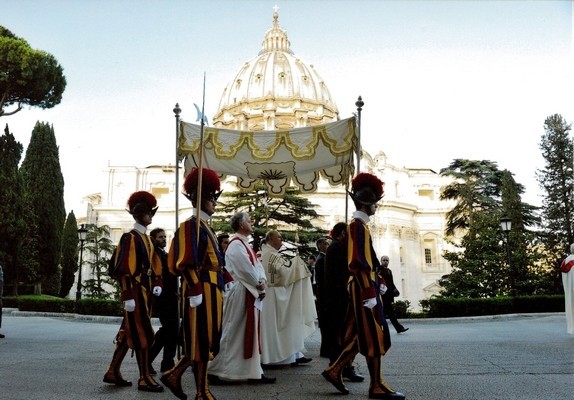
288	315
230	363
568	282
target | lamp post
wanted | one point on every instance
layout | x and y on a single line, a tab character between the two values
506	225
82	233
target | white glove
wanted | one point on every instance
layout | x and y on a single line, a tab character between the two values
228	285
156	290
383	288
194	301
130	305
370	303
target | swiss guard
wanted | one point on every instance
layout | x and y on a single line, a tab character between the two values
194	255
364	332
138	271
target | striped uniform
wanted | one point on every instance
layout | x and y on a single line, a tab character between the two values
200	265
139	270
362	324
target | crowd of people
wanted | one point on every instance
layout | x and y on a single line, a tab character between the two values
234	311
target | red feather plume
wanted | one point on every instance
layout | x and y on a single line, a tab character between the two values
142	197
209	181
365	179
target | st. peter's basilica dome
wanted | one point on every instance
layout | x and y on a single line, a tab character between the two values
275	90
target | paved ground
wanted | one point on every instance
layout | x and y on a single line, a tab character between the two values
520	357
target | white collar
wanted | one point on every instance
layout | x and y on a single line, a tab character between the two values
362	216
267	247
202	214
140	228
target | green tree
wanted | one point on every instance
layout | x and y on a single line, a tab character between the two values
476	187
69	257
98	249
12	225
27	76
556	180
28	263
482	267
44	185
524	267
292	214
480	270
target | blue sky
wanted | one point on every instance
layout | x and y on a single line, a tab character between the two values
440	79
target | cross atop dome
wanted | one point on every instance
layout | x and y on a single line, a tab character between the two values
276	37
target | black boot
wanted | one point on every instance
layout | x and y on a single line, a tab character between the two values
333	373
172	378
378	389
146	383
113	375
200	375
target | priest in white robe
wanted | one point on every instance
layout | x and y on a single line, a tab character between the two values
288	315
568	282
239	353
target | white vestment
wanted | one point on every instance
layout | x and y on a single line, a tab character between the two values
568	282
288	314
230	362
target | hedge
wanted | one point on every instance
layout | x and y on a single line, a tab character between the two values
440	307
44	303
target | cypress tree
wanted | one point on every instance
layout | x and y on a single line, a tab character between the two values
44	184
69	257
12	226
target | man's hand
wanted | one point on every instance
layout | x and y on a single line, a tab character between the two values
261	289
383	288
130	305
194	301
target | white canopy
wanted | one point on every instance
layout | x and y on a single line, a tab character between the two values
279	159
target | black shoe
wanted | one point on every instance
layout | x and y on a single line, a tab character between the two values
303	360
216	380
263	379
402	330
118	380
351	374
339	385
2	336
387	396
149	385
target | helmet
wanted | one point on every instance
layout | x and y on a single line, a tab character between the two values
366	189
210	185
141	203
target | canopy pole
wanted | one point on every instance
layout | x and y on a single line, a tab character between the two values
359	103
200	166
176	111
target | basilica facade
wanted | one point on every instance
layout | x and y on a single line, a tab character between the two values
278	91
